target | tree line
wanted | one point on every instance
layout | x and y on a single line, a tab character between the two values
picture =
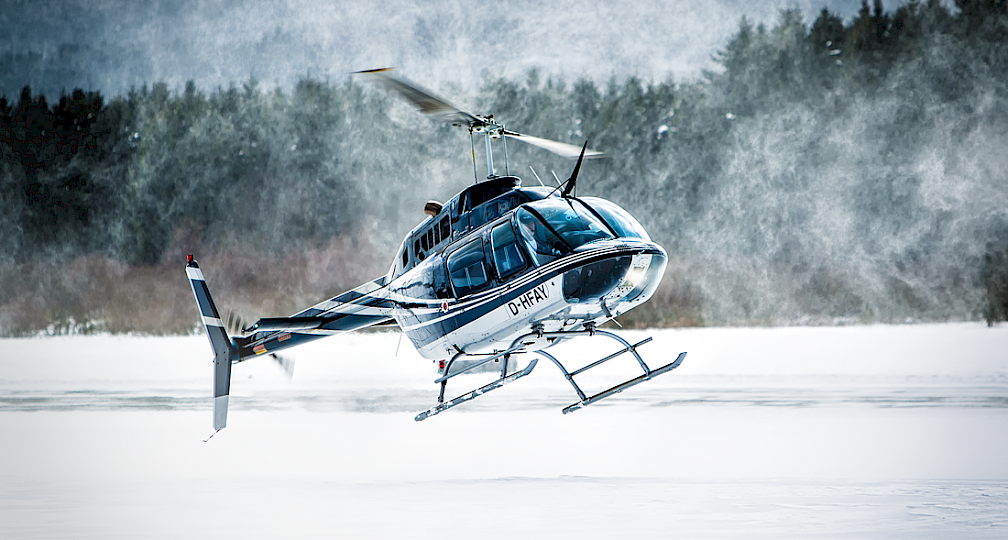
832	171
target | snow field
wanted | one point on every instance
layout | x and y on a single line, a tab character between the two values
866	432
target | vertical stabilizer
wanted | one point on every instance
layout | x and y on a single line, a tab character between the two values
224	350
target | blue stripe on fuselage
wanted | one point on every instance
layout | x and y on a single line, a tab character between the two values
467	310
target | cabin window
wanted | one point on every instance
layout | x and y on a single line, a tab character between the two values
500	207
405	256
504	206
507	257
445	228
430	238
466	268
437	234
416	250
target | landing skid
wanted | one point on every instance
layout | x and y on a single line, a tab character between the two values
520	344
442	406
585	401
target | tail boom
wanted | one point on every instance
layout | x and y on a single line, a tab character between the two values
365	306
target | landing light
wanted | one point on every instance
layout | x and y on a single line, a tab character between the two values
637	271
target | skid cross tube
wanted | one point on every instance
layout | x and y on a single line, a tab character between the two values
568	376
631	348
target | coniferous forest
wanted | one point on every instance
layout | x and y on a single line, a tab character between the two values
829	172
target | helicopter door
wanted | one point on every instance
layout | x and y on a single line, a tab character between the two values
467	268
469	272
507	257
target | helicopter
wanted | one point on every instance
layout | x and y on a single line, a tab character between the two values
498	271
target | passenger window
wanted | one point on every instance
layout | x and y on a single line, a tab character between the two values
466	268
490	212
423	242
437	234
504	206
507	256
445	229
405	256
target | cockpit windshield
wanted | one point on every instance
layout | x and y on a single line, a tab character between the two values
554	227
625	225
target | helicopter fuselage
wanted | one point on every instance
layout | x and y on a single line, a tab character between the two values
499	261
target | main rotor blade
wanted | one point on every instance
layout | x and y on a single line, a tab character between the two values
440	109
558	148
426	102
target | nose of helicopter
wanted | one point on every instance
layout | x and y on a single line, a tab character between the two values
624	270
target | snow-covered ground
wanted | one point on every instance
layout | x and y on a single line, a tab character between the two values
849	432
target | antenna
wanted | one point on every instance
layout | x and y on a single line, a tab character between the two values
559	183
537	176
572	181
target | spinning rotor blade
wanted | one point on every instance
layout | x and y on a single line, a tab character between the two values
440	109
425	102
558	148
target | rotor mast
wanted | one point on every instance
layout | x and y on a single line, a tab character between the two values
491	130
490	168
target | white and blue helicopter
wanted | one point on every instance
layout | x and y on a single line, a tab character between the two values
498	271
